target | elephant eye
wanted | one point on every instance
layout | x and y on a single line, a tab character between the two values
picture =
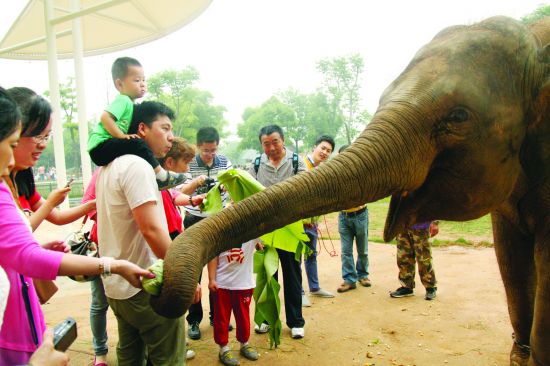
456	115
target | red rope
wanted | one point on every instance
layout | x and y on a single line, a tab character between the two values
321	241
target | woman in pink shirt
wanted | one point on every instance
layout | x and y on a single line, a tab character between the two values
22	258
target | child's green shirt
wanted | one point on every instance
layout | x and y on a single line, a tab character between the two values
121	109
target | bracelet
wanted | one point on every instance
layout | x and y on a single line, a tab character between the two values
191	201
105	266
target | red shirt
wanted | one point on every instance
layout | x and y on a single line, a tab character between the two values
173	216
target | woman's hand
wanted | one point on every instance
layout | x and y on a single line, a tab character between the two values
199	181
46	355
57	196
197	200
130	271
57	246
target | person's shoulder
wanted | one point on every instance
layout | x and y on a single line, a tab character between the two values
131	164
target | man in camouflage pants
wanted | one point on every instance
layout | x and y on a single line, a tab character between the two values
413	245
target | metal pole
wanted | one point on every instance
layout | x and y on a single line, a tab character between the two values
78	53
55	98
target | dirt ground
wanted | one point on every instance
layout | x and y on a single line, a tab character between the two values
467	324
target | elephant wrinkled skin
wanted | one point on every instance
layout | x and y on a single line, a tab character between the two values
462	132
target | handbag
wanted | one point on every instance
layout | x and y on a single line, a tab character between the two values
45	289
80	244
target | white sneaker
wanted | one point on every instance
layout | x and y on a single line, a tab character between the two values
321	293
305	302
190	354
262	328
297	333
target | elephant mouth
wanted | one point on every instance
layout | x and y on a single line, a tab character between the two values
402	213
392	227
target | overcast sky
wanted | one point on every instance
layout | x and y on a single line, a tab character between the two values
247	50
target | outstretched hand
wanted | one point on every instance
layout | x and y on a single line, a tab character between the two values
131	272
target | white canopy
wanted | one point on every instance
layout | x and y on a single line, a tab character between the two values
107	25
51	29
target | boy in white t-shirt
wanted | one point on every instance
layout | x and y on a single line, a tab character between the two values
232	283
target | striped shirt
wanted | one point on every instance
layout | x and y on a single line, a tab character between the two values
197	167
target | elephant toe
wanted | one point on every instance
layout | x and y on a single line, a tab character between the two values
519	356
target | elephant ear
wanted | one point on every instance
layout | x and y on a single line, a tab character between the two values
535	154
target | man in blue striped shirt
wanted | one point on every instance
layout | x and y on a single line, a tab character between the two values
208	164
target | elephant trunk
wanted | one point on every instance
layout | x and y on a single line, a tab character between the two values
382	160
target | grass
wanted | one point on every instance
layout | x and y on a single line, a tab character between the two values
474	233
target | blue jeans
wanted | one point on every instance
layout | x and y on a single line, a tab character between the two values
357	227
98	317
310	263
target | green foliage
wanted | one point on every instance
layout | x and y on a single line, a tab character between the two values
539	13
273	111
343	83
193	107
71	136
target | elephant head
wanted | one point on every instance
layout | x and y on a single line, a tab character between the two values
455	136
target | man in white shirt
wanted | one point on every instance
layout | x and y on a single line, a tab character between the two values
132	226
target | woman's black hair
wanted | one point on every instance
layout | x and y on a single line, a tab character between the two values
10	116
36	112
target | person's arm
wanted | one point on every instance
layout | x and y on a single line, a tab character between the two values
59	217
20	251
150	225
44	207
72	264
184	199
192	186
212	266
109	123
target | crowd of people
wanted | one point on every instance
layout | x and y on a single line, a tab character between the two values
146	191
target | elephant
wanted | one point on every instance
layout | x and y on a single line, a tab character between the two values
462	132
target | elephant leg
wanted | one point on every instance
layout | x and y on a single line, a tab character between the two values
515	256
540	333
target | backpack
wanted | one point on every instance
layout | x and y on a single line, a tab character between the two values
294	163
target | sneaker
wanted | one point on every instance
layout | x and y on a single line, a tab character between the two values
190	354
321	293
365	282
228	359
305	302
430	293
402	292
174	179
262	328
249	352
297	333
194	332
345	287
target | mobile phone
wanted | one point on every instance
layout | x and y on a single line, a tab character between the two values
64	334
69	183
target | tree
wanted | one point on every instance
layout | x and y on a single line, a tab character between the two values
539	13
342	84
67	101
272	111
193	107
313	114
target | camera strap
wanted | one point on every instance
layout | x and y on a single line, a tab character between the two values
30	317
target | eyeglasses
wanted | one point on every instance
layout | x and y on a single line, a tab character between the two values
38	139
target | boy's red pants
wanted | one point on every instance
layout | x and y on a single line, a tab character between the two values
224	302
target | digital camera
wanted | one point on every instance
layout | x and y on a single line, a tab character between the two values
208	184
